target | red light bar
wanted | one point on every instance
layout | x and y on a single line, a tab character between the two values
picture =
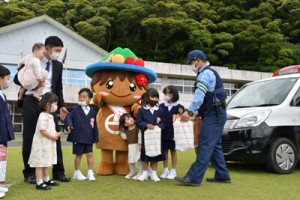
287	70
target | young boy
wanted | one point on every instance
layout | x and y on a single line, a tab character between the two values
6	126
83	132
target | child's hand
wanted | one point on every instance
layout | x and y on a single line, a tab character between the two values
95	141
158	120
56	136
140	147
69	129
150	126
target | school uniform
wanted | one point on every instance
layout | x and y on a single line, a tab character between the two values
146	116
169	110
84	132
6	126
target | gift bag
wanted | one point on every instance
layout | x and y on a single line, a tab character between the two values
183	135
152	138
3	158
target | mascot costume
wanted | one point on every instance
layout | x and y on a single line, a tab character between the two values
118	80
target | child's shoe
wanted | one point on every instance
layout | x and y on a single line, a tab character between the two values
172	174
79	176
129	176
90	176
2	194
3	189
52	183
144	176
136	176
154	177
43	186
165	173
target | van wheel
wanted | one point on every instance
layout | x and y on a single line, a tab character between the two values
282	156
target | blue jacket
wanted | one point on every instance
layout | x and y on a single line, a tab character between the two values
82	131
6	126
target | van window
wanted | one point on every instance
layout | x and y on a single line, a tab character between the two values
264	93
296	99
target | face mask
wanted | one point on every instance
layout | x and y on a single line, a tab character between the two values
4	87
53	108
195	68
54	56
152	103
82	103
167	98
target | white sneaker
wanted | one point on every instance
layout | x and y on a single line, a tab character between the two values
143	177
3	189
79	176
154	177
165	173
136	176
2	194
90	176
129	176
172	174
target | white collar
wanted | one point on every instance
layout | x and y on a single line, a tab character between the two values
171	104
149	108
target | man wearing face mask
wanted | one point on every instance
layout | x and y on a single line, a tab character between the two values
30	114
209	102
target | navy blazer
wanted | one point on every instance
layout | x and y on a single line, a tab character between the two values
6	126
82	131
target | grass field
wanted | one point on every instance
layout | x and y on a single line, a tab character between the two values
248	182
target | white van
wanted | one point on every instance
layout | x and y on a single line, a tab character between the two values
263	124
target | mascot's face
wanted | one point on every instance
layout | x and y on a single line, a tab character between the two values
117	92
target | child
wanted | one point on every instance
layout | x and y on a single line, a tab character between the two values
32	75
43	151
150	116
81	124
170	107
131	132
6	126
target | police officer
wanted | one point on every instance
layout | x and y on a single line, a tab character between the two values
209	102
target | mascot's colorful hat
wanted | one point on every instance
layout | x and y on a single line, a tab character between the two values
122	59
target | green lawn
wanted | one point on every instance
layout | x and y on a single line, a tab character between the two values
248	182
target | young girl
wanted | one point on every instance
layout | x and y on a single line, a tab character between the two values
43	150
6	126
150	116
170	107
32	75
131	133
81	123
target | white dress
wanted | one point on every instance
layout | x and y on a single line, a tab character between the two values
43	150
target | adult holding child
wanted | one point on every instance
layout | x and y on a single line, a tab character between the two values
30	114
209	101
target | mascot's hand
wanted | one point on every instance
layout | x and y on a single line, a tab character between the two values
97	99
135	108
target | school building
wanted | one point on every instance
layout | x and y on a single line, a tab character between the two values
16	41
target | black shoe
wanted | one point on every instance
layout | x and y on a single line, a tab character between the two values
52	183
30	179
62	178
43	186
216	180
186	181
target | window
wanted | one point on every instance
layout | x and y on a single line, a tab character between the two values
183	85
157	84
75	77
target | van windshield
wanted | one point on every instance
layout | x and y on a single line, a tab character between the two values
265	93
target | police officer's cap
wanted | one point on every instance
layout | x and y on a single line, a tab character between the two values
195	54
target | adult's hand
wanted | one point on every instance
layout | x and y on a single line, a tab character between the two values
185	117
63	112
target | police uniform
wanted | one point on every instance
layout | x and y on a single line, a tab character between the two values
209	101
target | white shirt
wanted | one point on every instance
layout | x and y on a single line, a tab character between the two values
2	95
151	109
86	109
170	105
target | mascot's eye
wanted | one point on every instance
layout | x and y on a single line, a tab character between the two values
132	87
109	84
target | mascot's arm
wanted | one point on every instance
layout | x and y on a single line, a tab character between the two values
97	99
135	108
